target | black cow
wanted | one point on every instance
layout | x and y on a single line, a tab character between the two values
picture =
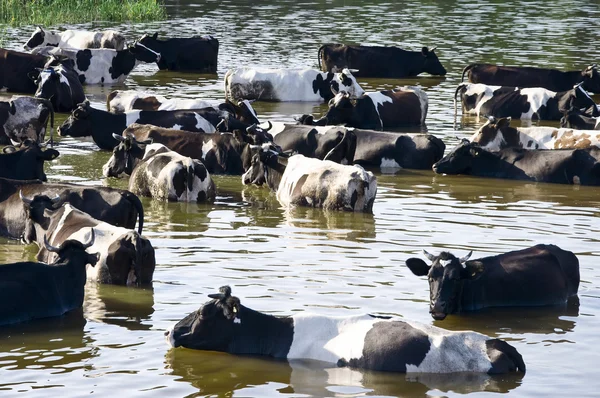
198	54
539	275
114	206
59	84
15	68
522	103
25	163
575	119
404	106
379	61
101	125
564	166
25	118
361	341
36	290
518	76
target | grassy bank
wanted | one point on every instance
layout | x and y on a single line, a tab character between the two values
53	12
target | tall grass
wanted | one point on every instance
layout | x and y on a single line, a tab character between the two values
52	12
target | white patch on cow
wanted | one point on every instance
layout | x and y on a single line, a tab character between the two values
177	127
250	108
132	117
204	125
329	339
208	145
536	97
237	320
452	351
445	262
123	100
169	336
83	39
479	89
339	181
379	99
576	180
389	163
174	104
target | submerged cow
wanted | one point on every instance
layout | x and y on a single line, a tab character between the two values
60	85
566	166
198	54
32	290
159	172
103	65
288	84
519	76
311	182
25	162
539	275
75	39
403	106
522	103
379	61
126	258
497	134
365	341
25	119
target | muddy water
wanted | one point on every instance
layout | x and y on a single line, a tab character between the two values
283	262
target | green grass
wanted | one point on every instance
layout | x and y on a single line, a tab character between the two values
52	12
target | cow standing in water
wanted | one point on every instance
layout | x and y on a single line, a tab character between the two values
75	39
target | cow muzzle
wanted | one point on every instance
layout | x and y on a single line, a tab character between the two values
438	316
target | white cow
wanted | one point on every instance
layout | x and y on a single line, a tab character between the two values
75	39
120	101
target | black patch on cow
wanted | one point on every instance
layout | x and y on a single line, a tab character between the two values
354	198
323	86
180	180
201	196
122	64
82	79
102	79
36	40
390	347
83	59
336	86
200	171
504	357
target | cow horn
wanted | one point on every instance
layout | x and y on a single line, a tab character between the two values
118	137
91	239
219	124
465	258
224	293
334	91
48	246
429	256
24	199
270	126
433	49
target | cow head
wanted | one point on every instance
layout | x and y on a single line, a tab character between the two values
341	109
144	53
210	327
459	160
242	111
267	166
27	119
54	85
591	79
431	63
79	123
496	134
35	214
575	119
37	39
74	252
446	275
328	83
577	98
125	156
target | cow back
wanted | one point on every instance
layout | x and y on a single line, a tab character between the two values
14	69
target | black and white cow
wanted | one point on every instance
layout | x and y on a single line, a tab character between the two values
288	84
566	166
575	119
79	39
302	181
15	68
518	76
25	162
114	206
59	84
101	125
198	54
103	65
379	61
159	172
404	106
539	275
25	119
364	341
522	103
497	134
126	257
34	290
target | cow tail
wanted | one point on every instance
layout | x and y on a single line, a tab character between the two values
465	70
137	203
320	61
461	85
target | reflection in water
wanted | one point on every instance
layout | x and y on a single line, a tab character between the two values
336	225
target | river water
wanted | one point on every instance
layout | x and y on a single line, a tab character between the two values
283	262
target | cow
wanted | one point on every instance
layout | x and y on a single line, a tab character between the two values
575	119
33	290
522	103
221	153
566	166
15	68
114	206
159	172
60	84
311	182
403	106
518	76
379	61
197	54
536	276
25	162
78	39
373	148
126	257
372	342
25	119
103	65
497	134
101	125
288	84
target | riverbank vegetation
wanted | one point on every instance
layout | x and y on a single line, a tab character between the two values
53	12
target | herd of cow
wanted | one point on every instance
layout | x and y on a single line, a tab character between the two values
170	148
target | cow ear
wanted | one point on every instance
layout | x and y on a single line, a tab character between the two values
424	51
472	270
503	123
155	36
417	266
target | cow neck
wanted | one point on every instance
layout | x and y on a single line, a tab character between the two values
105	124
274	175
261	334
